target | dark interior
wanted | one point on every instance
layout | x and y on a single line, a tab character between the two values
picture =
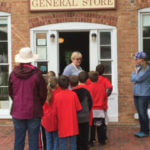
73	41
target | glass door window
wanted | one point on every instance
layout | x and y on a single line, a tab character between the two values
41	50
105	56
4	65
146	33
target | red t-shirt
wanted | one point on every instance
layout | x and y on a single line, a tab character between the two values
49	120
106	84
67	105
98	94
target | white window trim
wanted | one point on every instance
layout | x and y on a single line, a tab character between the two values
140	33
5	113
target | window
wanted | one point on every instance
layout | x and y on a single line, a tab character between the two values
4	63
105	53
41	50
146	33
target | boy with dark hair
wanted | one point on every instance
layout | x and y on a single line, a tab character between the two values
73	81
66	107
98	94
84	115
107	84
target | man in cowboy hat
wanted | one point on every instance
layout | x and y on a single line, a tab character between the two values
28	91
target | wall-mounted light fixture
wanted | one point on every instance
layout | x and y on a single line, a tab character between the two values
94	36
52	37
61	40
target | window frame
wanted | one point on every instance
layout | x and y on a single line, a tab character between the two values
5	113
141	13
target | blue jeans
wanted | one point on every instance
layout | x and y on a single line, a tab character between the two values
141	103
52	140
64	143
33	127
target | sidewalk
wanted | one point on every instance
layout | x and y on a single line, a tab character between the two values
119	138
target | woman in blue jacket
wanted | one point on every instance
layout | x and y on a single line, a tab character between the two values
141	80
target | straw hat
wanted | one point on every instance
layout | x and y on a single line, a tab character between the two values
25	55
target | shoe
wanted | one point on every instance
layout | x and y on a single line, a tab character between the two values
141	135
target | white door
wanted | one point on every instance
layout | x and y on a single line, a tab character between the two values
102	49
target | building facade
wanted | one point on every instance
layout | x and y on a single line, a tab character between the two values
103	34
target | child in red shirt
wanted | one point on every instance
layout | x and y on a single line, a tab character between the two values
98	94
49	120
66	107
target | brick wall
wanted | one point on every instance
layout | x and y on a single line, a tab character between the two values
125	18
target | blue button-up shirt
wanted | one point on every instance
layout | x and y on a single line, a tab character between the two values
141	82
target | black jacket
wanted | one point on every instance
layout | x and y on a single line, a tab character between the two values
86	102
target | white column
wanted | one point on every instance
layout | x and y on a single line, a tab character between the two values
53	53
93	53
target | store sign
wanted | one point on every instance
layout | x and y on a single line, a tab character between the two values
58	5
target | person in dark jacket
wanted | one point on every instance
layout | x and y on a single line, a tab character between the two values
84	115
28	91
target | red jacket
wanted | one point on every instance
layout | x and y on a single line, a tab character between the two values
98	94
49	120
66	107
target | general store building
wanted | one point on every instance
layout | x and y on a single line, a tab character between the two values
104	31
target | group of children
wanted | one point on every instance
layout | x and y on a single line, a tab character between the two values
75	107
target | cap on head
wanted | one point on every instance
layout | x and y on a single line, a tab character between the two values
140	55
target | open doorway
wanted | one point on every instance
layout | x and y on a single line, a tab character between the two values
73	41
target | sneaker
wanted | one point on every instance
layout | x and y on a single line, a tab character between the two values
141	135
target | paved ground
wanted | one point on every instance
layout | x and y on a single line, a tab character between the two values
119	138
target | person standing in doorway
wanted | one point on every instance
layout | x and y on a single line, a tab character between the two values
74	68
28	91
141	80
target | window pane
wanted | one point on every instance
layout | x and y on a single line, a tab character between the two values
42	52
146	31
3	75
146	20
41	43
3	93
3	52
3	32
146	47
42	66
105	52
3	28
105	38
41	39
107	65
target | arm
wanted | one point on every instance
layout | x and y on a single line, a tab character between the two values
66	71
140	77
42	89
77	103
90	101
109	87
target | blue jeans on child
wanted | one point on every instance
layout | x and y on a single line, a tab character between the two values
33	127
52	140
64	143
141	103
